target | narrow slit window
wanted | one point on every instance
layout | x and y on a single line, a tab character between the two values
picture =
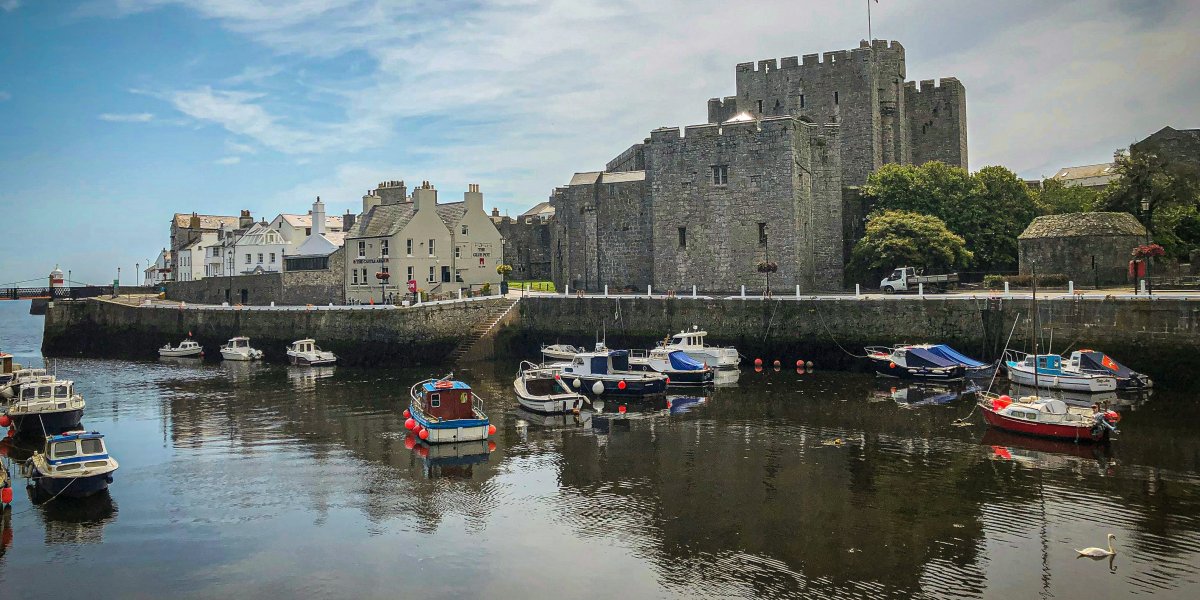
683	237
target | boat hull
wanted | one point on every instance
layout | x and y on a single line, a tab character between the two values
237	356
305	361
550	407
72	487
699	377
48	423
715	358
191	352
885	367
455	430
634	386
1078	433
1074	383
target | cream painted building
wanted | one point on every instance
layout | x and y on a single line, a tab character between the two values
443	247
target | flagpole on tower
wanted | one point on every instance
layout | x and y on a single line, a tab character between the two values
869	34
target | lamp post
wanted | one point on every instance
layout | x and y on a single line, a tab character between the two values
1146	219
137	268
382	276
229	292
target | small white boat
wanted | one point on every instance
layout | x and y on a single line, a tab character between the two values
692	344
74	464
186	348
565	352
45	406
1051	375
239	348
20	377
541	389
306	353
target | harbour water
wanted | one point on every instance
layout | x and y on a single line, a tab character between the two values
268	481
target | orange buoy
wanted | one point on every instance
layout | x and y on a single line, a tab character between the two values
758	362
491	429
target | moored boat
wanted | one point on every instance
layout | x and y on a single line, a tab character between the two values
692	343
306	353
913	362
680	368
1047	417
542	389
563	352
238	348
606	372
1094	362
186	349
74	464
45	407
1049	374
19	377
445	410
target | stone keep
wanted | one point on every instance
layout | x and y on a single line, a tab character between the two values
884	120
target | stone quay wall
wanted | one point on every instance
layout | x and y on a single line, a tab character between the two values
287	288
425	334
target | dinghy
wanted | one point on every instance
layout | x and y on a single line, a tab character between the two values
542	389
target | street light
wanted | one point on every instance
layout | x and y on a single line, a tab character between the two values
1146	219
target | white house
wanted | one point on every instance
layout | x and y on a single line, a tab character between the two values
312	253
161	270
259	249
295	229
189	259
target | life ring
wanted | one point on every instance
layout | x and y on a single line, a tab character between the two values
443	385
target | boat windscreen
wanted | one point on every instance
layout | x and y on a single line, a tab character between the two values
620	360
920	357
953	355
680	361
1101	362
599	365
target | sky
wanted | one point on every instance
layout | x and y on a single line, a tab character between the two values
115	114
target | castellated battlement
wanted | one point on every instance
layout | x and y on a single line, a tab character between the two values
929	85
768	125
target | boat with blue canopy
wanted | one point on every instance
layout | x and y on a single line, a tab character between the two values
74	464
445	410
607	372
974	368
679	368
913	362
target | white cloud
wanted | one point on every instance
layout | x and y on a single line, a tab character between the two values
228	160
5	96
240	148
127	117
10	5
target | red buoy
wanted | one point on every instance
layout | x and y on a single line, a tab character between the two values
410	424
424	434
491	446
758	368
5	421
407	414
891	365
799	363
621	409
621	384
668	381
491	429
758	362
6	496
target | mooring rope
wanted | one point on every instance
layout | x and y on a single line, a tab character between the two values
821	318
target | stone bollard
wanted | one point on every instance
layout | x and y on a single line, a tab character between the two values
693	290
797	291
649	291
460	293
606	290
857	290
567	289
743	292
1070	287
920	289
272	303
1005	288
1142	286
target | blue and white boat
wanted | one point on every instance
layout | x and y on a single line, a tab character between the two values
1050	374
46	406
679	368
972	367
444	410
913	362
607	372
74	464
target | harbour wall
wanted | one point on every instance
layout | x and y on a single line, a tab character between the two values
424	334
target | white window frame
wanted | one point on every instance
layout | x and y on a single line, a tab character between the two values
383	248
362	249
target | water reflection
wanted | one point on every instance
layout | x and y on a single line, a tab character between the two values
456	460
305	378
73	521
917	394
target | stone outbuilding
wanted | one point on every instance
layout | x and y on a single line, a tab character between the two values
1089	248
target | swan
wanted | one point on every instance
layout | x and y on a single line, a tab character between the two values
1094	552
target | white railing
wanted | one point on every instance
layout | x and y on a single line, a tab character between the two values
311	307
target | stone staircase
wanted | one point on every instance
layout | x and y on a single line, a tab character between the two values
482	331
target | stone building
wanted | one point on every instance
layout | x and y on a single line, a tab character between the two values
526	246
443	247
1092	177
1089	248
1181	146
763	180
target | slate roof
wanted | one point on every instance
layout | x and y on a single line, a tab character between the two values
585	178
306	220
622	176
183	220
539	209
1083	224
1086	171
384	220
452	212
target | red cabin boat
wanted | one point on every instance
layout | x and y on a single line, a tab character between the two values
1045	417
445	410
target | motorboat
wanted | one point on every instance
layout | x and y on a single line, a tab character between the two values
306	353
444	410
74	464
564	352
1047	417
1050	374
972	367
542	389
44	408
680	368
692	343
1094	362
186	349
607	372
11	389
913	362
238	348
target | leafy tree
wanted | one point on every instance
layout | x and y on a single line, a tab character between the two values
897	238
1172	188
1057	199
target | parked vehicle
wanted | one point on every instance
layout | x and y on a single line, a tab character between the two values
906	279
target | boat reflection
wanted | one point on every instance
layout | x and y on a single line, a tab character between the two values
726	377
17	450
450	460
1048	453
922	393
526	418
305	378
6	534
74	521
678	405
243	371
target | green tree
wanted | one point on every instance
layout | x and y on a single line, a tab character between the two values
1057	199
897	238
1172	189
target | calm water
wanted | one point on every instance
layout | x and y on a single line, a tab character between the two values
264	481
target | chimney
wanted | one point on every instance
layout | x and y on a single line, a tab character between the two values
424	196
318	217
495	211
194	223
473	198
347	221
245	221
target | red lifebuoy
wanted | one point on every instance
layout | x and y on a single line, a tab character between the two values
1113	417
443	385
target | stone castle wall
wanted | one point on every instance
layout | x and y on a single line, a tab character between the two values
526	248
603	233
1074	257
937	121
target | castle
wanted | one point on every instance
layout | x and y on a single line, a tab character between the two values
763	181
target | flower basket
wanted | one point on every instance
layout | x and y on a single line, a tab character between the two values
767	267
1148	251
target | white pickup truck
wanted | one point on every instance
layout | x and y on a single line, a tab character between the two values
905	279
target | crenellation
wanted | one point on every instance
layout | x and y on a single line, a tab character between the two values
789	62
664	134
768	65
811	60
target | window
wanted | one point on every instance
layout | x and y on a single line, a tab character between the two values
247	258
216	251
354	277
411	276
408	247
431	247
383	248
446	274
835	98
464	229
801	100
762	234
260	257
92	446
435	400
308	231
760	106
432	275
272	258
683	237
62	449
720	174
457	252
362	249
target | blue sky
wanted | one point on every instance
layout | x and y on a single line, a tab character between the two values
114	114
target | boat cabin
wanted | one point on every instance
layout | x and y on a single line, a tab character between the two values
26	375
238	342
50	388
1046	363
76	450
447	400
306	346
6	366
599	363
689	338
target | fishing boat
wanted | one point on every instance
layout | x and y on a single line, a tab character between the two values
74	464
680	368
913	362
444	410
1050	374
1094	362
238	348
306	353
607	372
10	389
186	349
542	389
45	407
692	343
1047	417
560	352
